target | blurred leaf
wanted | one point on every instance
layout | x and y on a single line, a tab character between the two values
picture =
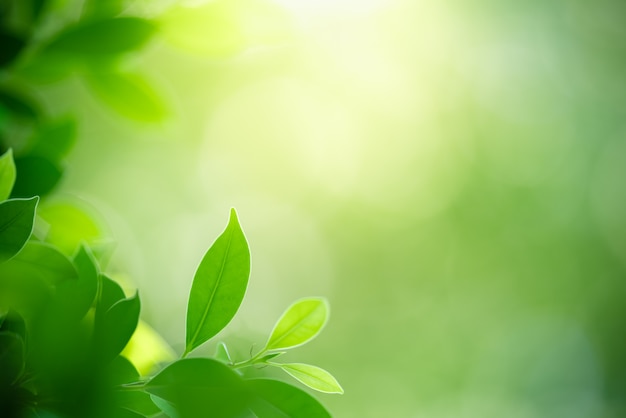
55	139
13	322
7	174
312	376
222	354
147	349
41	261
225	28
219	285
117	326
11	358
279	399
165	406
106	37
129	95
103	8
19	104
122	371
35	176
299	324
70	224
110	293
74	298
200	384
16	224
12	45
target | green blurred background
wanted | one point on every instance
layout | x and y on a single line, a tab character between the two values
451	175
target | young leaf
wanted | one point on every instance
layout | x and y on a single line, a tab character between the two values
312	376
299	324
222	354
279	399
200	384
117	326
16	224
218	285
129	95
7	175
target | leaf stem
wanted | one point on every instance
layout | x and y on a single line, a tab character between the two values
250	362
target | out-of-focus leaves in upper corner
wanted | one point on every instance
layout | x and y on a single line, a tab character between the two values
130	95
224	28
87	44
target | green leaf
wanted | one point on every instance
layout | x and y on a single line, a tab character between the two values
70	224
117	326
12	45
35	176
19	104
16	224
110	293
219	285
105	37
299	324
7	174
54	140
200	384
278	399
129	95
13	322
41	261
222	354
312	376
165	406
11	358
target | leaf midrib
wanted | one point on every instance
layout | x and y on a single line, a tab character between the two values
214	291
291	329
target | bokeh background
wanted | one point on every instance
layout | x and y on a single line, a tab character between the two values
450	175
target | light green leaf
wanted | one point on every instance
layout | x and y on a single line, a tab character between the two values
165	406
41	261
299	324
7	174
275	399
222	354
16	224
219	285
130	95
312	376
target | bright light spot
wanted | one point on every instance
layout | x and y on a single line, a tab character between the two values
308	9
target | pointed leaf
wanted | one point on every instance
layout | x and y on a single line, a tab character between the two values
7	175
129	95
16	224
110	293
117	326
312	376
299	324
165	406
278	399
222	354
219	285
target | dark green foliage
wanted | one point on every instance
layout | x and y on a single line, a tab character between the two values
16	224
